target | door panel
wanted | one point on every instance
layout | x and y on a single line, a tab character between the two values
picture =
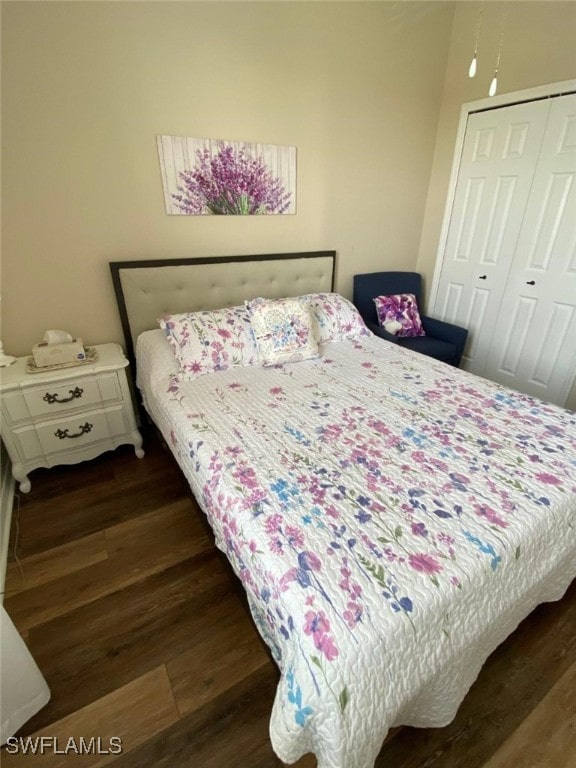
557	338
476	318
498	220
507	348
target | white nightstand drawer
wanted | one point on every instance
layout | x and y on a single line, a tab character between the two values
52	398
52	438
79	430
59	435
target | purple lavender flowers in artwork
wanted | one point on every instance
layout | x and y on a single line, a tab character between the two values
229	182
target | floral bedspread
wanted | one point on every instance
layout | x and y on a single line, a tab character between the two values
392	520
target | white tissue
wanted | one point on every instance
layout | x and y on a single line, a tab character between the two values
57	337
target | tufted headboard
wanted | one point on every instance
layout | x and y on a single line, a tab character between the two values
147	289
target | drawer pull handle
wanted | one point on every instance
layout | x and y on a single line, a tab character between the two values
74	393
84	429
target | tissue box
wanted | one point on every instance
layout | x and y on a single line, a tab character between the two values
56	354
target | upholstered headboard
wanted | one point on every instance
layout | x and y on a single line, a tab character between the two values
147	289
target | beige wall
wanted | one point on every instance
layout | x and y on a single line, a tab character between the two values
539	48
87	86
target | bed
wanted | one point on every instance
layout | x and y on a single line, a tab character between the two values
392	519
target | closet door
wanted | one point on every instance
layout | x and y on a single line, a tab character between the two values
496	171
534	345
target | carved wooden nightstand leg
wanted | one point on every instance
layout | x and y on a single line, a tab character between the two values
21	477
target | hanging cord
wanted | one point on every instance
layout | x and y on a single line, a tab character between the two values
16	538
494	83
473	63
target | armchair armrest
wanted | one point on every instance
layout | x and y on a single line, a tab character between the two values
444	331
379	331
454	334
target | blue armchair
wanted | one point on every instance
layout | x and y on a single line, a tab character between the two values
443	341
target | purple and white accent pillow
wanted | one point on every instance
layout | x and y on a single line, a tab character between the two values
398	314
283	330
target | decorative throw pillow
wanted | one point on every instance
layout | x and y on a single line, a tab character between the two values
335	318
398	314
209	341
283	330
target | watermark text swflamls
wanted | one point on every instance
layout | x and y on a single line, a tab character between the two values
42	745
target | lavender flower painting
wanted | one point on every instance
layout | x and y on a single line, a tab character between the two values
226	178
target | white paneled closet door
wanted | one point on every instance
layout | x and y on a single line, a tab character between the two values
509	262
494	181
534	343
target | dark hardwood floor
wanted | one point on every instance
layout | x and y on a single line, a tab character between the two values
138	626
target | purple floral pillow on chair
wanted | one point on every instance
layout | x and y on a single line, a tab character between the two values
399	315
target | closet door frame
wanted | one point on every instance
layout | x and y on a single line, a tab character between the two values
494	102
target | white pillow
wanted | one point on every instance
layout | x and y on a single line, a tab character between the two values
210	341
335	318
283	330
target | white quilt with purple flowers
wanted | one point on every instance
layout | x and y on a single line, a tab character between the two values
392	520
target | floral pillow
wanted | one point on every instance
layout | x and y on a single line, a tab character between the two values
398	314
283	330
209	341
335	318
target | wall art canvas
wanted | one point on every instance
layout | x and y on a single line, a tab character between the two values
214	177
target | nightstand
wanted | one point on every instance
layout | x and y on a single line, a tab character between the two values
66	415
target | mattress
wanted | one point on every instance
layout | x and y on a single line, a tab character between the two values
392	520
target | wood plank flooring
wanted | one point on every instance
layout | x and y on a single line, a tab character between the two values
138	626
